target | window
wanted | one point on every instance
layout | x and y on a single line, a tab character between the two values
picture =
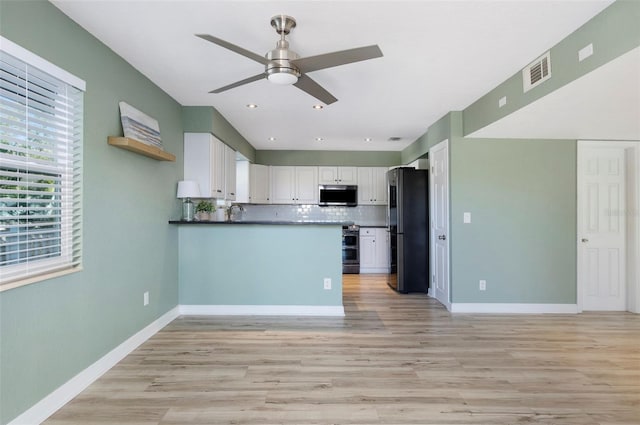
41	117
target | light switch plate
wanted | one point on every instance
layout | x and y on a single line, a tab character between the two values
467	217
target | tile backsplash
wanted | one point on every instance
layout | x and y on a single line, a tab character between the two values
364	215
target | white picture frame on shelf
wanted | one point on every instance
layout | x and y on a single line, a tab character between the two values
139	126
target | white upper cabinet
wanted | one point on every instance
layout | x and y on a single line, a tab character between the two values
265	184
209	162
242	182
283	185
229	173
259	186
204	163
372	185
306	185
294	185
337	175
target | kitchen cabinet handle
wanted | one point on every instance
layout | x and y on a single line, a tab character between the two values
442	237
585	240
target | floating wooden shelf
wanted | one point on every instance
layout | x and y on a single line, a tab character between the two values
141	148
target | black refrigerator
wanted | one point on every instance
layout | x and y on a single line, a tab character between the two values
408	226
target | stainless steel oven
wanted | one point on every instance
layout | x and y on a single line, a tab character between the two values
350	249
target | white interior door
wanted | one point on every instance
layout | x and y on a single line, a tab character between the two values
601	227
439	206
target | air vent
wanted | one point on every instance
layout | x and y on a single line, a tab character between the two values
394	139
536	72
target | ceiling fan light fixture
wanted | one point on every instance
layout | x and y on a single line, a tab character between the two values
283	66
283	78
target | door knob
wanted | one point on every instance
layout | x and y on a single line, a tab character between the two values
442	237
585	240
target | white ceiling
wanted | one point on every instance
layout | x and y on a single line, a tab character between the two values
439	56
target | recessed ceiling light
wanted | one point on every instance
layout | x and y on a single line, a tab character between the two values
318	106
252	106
368	139
319	139
272	139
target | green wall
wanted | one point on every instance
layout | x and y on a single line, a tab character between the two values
436	133
522	237
522	198
52	330
338	158
260	264
207	119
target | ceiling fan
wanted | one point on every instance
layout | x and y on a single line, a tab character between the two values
284	66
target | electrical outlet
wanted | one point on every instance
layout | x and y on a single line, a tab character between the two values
483	285
145	298
327	283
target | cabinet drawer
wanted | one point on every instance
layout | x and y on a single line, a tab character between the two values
371	231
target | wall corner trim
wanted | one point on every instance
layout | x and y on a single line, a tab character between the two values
263	310
46	407
514	308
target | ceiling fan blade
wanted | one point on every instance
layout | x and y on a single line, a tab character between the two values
244	52
343	57
306	84
240	83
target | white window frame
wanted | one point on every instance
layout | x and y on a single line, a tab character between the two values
69	260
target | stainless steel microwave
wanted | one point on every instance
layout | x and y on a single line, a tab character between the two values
338	195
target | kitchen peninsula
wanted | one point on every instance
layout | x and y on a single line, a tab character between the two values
260	267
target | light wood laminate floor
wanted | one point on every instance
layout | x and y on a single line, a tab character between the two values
394	359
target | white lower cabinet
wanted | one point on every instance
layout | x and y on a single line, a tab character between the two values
374	251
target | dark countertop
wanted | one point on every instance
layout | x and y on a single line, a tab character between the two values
265	222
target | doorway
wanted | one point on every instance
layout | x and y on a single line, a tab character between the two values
608	239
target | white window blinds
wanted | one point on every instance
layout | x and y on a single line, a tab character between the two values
41	126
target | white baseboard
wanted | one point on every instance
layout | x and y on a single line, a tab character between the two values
40	411
262	310
514	308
